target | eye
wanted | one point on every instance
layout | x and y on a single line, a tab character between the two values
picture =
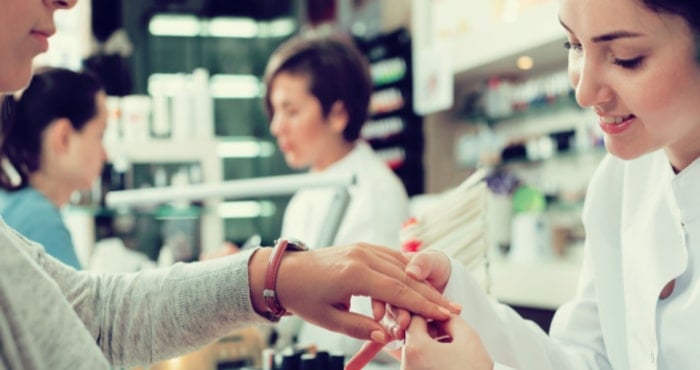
573	46
629	63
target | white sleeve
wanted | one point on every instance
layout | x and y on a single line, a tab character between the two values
512	341
497	366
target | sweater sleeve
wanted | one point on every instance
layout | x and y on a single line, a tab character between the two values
152	315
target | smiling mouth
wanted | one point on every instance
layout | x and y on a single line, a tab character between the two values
615	120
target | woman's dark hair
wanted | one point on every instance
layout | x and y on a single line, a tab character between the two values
686	9
337	71
53	93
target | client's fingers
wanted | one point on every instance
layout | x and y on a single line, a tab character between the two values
353	324
402	318
378	309
400	290
422	298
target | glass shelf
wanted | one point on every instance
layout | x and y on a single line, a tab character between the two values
541	106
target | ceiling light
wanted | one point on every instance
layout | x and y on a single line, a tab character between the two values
174	25
525	63
246	148
232	27
235	86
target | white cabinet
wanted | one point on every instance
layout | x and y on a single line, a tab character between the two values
485	36
203	152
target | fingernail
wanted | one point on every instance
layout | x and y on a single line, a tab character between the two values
413	270
395	331
378	336
445	311
456	307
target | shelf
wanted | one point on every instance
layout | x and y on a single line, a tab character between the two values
174	151
541	107
163	151
595	153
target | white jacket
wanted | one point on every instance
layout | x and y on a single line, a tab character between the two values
378	205
643	230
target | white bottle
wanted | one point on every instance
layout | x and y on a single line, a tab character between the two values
181	115
202	104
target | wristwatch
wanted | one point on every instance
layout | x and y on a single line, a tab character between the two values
274	308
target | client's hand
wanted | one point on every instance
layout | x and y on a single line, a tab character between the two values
317	286
444	345
430	266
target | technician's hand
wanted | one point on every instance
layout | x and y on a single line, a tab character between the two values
431	266
445	345
317	286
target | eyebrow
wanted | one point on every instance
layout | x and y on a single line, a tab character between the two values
608	36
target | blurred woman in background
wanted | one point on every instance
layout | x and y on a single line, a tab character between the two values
318	93
54	146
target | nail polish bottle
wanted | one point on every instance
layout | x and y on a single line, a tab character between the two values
322	360
336	361
308	362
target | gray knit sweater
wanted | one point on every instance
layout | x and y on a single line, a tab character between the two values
54	317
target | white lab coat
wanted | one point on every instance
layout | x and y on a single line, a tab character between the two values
378	207
643	230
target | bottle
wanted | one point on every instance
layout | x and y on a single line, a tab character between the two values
308	362
291	361
203	105
322	360
268	359
336	361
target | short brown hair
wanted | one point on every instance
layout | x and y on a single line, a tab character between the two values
337	71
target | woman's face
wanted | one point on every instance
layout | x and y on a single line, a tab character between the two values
636	69
304	135
86	154
25	26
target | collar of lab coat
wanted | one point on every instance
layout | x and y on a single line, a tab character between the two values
351	161
686	186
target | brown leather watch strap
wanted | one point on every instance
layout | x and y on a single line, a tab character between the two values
273	305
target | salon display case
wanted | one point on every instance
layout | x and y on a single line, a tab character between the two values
394	130
198	64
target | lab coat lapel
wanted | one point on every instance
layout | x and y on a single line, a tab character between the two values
650	255
612	312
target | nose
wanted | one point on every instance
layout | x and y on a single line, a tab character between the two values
588	80
276	125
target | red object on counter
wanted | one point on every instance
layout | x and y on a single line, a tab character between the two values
412	245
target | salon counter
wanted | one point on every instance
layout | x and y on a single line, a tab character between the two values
540	284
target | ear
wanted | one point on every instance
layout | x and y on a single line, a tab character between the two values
57	136
338	117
